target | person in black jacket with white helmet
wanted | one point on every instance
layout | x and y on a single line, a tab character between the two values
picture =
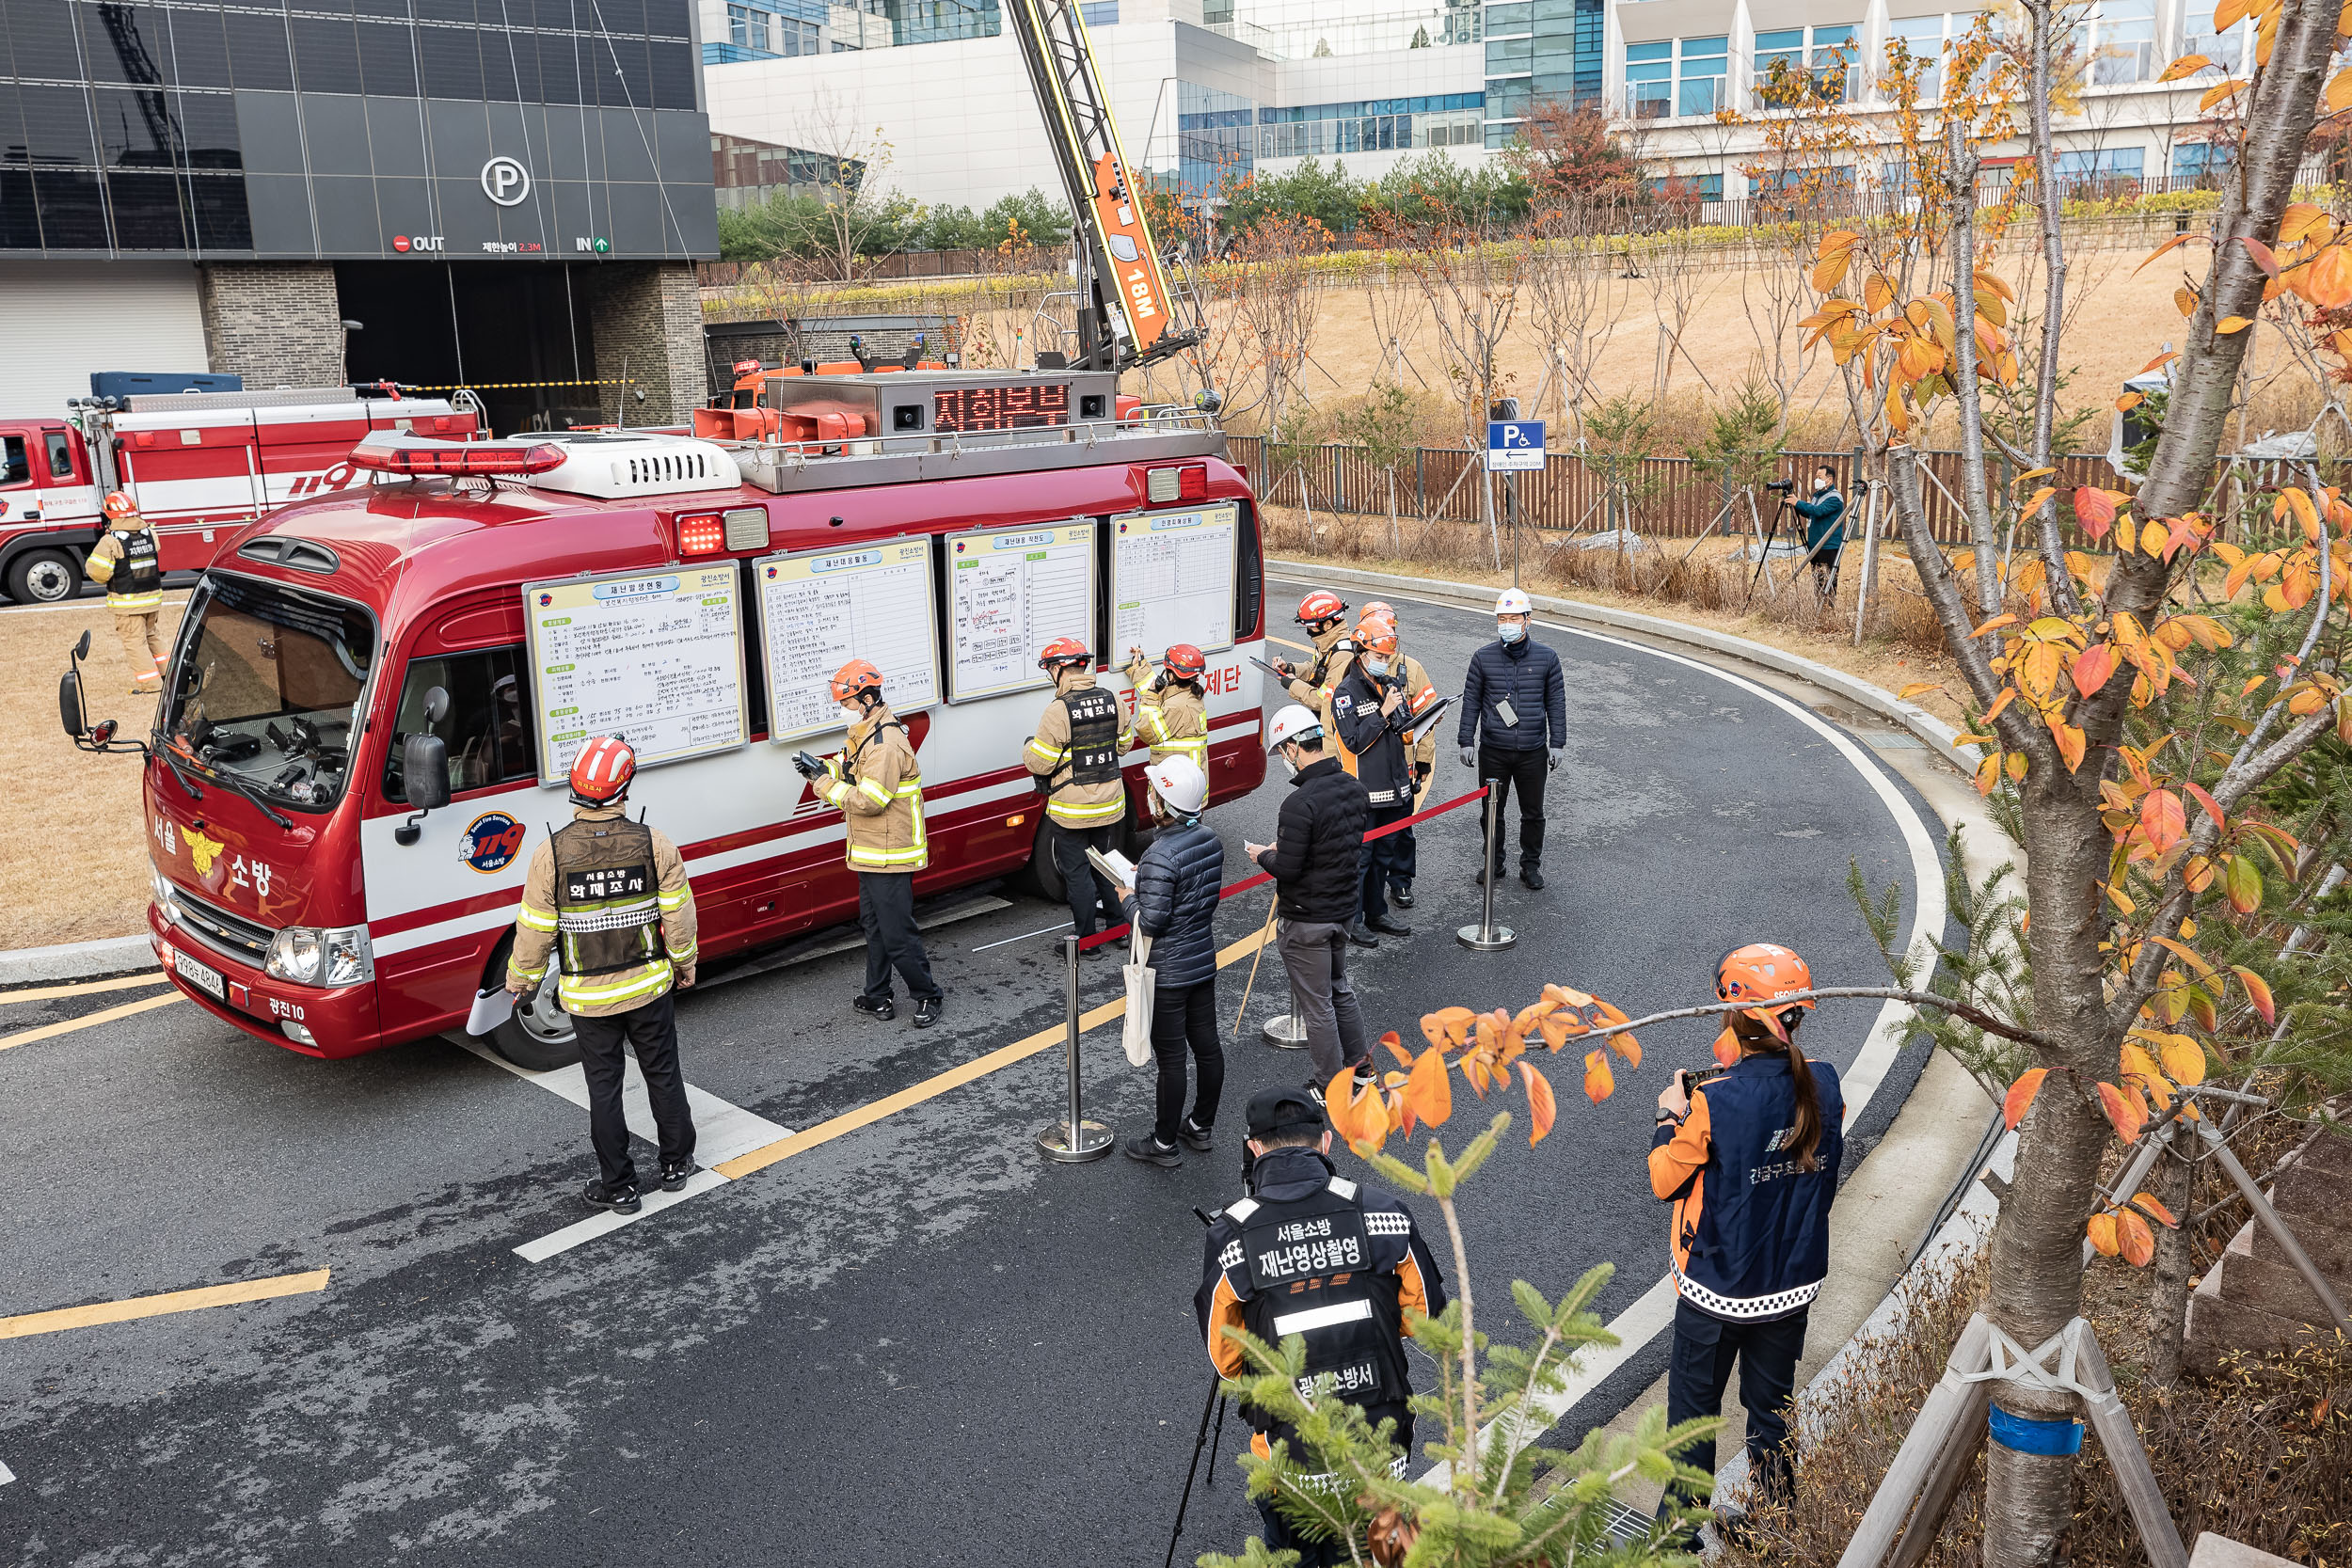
1515	727
1174	902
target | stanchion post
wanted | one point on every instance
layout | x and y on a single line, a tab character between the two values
1073	1140
1487	937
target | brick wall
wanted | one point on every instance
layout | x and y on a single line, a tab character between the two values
277	324
647	322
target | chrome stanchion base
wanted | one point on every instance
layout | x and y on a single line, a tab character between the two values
1478	939
1286	1032
1094	1141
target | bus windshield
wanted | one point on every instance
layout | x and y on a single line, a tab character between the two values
267	688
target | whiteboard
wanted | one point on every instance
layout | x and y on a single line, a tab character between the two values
656	657
820	608
1010	593
1172	578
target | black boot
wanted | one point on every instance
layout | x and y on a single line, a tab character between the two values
1533	874
1401	893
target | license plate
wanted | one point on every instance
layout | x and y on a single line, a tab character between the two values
198	975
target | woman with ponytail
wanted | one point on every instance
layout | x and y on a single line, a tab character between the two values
1749	1162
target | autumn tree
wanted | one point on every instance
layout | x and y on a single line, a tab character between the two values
1570	156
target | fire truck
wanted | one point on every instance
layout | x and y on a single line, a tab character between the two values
358	747
199	465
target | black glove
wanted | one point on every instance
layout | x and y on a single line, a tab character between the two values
807	767
1421	772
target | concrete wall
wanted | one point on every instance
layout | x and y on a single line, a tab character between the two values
277	324
647	322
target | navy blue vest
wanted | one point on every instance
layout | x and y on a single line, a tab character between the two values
1760	1248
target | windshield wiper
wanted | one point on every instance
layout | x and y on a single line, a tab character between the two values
233	786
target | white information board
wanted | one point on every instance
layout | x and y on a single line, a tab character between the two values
1172	579
1008	594
656	657
820	608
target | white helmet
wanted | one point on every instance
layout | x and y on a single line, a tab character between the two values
1180	784
1293	722
1513	601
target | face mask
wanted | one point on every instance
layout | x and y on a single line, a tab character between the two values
852	713
1290	760
1511	631
1375	667
1819	485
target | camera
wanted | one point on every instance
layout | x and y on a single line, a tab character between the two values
1781	486
807	767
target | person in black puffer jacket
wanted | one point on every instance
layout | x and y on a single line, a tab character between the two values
1514	728
1175	903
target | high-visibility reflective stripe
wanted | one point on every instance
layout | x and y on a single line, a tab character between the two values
1045	756
652	983
1074	810
686	954
132	604
1321	1317
860	855
672	902
873	791
538	973
531	919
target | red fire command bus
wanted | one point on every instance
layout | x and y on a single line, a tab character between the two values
376	694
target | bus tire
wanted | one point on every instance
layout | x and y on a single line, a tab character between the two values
1042	878
538	1035
44	576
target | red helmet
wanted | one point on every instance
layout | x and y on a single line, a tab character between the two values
1185	661
601	772
1377	632
1320	607
1063	652
119	505
853	677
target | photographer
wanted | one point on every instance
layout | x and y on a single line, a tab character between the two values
1749	1162
1825	517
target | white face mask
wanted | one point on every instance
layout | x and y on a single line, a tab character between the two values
1290	760
852	714
1819	485
1511	631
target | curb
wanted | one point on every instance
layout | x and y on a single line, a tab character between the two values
75	961
1933	732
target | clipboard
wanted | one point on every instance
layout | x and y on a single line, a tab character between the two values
1422	721
1269	669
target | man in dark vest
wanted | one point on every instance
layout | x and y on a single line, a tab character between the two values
124	563
607	898
1074	758
1311	1253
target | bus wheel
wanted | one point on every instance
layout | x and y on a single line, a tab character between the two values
43	577
538	1035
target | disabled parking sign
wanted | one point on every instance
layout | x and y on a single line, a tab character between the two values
1514	446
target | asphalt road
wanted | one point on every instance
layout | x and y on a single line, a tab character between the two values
917	1343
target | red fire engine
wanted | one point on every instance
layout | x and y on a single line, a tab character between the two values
199	465
374	694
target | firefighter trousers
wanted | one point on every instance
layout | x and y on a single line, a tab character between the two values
143	645
1081	885
604	1046
885	912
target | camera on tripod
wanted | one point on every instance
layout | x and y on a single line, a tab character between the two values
1781	486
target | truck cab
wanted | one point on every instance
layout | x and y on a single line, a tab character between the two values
48	509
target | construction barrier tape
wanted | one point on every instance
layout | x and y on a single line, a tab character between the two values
2026	1435
509	386
1115	933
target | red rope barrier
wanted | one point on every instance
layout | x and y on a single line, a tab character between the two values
1087	944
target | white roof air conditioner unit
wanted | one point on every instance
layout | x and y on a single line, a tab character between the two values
618	464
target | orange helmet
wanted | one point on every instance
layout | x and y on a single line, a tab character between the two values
1321	608
119	505
853	677
1064	652
601	772
1185	661
1376	607
1763	972
1377	633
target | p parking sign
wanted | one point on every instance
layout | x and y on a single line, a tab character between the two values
1514	446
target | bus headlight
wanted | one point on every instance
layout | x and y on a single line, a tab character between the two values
311	956
166	904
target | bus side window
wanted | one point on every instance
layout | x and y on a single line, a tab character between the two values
489	727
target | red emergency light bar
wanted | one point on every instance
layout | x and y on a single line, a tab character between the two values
414	455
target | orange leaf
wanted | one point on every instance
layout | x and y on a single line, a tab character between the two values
2122	1110
2174	242
1600	1082
2162	819
2261	254
1430	1092
2338	91
2257	992
2163	1215
2021	1095
1628	1047
2227	325
1358	1118
2134	1240
1915	688
2071	742
2100	1229
2328	281
2093	667
2183	1063
2095	510
2213	808
1541	1107
1396	1048
1448	1026
1727	1049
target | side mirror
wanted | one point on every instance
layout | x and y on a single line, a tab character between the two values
81	649
70	709
424	772
435	705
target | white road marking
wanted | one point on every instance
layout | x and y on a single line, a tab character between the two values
1044	931
7	1475
1653	1314
722	1132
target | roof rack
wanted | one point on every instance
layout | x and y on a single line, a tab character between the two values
788	467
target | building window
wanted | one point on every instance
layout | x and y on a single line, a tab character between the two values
1923	36
1795	64
748	28
1680	190
1649	70
2119	37
2227	51
2103	166
1699	76
1100	13
2200	160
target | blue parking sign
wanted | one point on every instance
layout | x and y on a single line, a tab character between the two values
1514	446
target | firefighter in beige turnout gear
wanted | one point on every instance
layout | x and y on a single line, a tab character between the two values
878	785
1074	757
608	899
1405	855
1324	614
1172	712
124	563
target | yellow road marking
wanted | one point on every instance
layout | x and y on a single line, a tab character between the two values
84	987
50	1031
954	1078
1298	647
156	1306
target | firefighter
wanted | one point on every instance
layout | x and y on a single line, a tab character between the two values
1369	710
878	785
1172	712
124	563
1074	759
1749	1162
1324	614
1405	858
608	897
1311	1253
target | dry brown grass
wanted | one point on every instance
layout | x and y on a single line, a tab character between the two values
77	857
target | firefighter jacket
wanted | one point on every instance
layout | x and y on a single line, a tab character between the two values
608	899
1311	1254
1750	1230
1075	751
1419	695
1170	717
1371	743
125	563
1334	651
879	786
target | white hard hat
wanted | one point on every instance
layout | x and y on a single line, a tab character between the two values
1293	722
1180	784
1513	601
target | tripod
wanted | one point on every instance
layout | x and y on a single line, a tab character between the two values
1200	1441
1764	556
